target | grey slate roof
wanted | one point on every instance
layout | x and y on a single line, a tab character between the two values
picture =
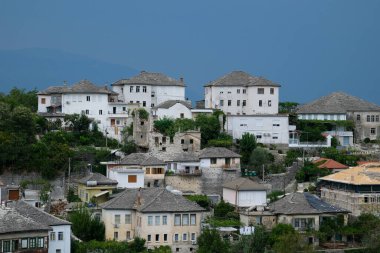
11	221
245	184
169	103
152	200
37	215
99	178
303	203
338	102
241	78
142	159
83	86
217	152
149	78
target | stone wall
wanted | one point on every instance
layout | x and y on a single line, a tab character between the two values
185	183
284	181
214	178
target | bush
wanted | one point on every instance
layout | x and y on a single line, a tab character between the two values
367	140
201	200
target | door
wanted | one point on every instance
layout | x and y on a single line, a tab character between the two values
346	141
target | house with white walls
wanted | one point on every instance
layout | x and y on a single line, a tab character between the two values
149	89
174	109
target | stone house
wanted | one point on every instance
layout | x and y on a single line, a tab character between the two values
156	215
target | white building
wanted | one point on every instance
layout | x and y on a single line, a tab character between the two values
243	192
98	103
268	129
149	89
174	109
239	93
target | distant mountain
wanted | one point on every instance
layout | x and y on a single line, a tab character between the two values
40	68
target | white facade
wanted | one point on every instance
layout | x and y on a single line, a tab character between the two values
268	129
246	198
126	177
60	239
177	111
322	116
243	100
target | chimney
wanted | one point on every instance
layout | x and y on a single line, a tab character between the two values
139	197
181	79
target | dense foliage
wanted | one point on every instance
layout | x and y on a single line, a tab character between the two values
247	144
201	200
210	241
85	226
310	172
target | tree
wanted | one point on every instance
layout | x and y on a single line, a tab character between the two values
254	243
201	200
209	127
287	107
260	157
78	123
211	241
247	145
86	227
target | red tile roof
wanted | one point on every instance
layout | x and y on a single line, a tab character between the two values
325	163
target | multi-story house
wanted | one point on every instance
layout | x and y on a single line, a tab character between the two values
98	103
95	186
155	214
251	105
356	189
340	106
149	89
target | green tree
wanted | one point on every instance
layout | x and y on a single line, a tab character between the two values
78	123
19	97
201	200
254	243
287	107
247	145
209	127
211	241
260	157
86	227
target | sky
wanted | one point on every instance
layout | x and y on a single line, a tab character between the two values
310	47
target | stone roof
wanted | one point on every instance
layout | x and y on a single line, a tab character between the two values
217	152
185	157
366	174
303	203
99	178
151	200
37	215
13	222
245	184
83	86
169	103
241	78
338	102
148	78
142	159
325	163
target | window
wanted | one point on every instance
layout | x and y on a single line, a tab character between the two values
193	238
260	90
43	101
372	118
191	141
165	237
244	91
182	115
144	103
149	239
163	149
260	103
373	130
244	102
193	219
32	242
368	118
184	237
182	141
131	89
229	102
238	102
164	220
60	236
185	219
177	220
131	101
152	105
303	223
124	108
40	242
221	92
144	89
238	91
272	91
377	118
157	237
164	139
52	236
132	178
128	237
116	235
227	161
269	103
258	136
24	243
358	117
137	102
150	220
137	89
88	98
221	103
157	220
213	160
7	246
117	218
127	219
87	112
100	112
176	237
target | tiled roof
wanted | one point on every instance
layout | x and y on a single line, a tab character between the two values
99	178
151	200
338	102
366	174
11	221
303	203
143	159
325	163
169	103
83	86
241	78
245	184
217	152
37	215
148	78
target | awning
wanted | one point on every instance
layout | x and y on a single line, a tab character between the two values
100	194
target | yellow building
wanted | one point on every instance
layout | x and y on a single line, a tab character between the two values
155	214
95	186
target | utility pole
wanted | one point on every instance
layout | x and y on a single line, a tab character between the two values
68	180
263	172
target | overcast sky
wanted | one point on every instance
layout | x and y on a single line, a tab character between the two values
309	47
